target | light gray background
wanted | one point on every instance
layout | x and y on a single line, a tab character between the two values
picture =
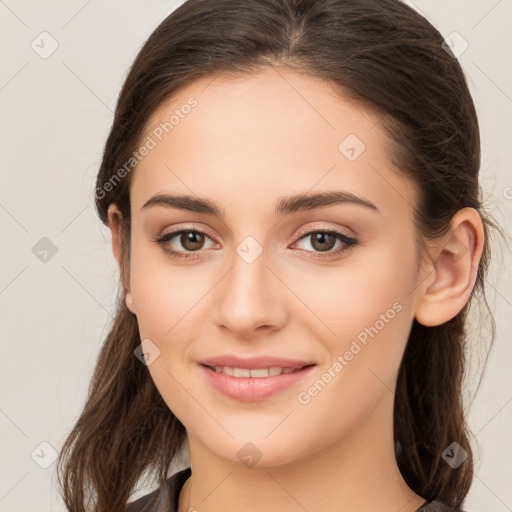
55	117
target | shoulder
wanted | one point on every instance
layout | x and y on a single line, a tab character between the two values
438	506
169	492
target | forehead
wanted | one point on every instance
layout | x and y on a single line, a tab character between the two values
266	135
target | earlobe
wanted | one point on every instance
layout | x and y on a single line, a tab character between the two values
129	302
455	270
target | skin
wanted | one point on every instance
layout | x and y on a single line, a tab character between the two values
249	142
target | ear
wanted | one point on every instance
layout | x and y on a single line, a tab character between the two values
115	225
453	271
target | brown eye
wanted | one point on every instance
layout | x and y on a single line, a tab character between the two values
323	241
192	240
183	243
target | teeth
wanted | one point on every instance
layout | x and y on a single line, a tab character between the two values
241	372
259	372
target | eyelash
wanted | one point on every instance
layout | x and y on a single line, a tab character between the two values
349	242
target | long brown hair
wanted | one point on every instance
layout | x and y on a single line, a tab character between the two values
386	56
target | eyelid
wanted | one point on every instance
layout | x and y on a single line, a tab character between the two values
183	227
305	230
302	231
349	241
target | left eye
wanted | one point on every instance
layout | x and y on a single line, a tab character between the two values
322	241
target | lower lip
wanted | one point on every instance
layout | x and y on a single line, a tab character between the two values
253	388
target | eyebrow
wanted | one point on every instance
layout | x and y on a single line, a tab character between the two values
284	206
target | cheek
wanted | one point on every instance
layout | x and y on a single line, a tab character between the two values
166	300
369	284
164	294
370	311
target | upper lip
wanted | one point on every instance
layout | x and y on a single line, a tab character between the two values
255	362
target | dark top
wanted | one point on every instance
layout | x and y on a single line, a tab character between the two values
175	483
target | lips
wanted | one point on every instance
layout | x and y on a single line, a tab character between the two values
254	373
255	362
254	378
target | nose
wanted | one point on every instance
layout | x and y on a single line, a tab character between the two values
251	299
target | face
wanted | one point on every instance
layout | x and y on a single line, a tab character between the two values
332	285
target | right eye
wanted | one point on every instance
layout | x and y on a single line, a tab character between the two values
192	240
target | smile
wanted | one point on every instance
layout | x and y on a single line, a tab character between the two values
256	372
246	384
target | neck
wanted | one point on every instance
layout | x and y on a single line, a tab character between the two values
358	474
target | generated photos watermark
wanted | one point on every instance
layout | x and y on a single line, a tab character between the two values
342	360
150	142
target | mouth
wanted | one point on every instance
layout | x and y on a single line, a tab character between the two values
258	373
253	384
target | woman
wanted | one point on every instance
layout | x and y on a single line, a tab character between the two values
292	189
